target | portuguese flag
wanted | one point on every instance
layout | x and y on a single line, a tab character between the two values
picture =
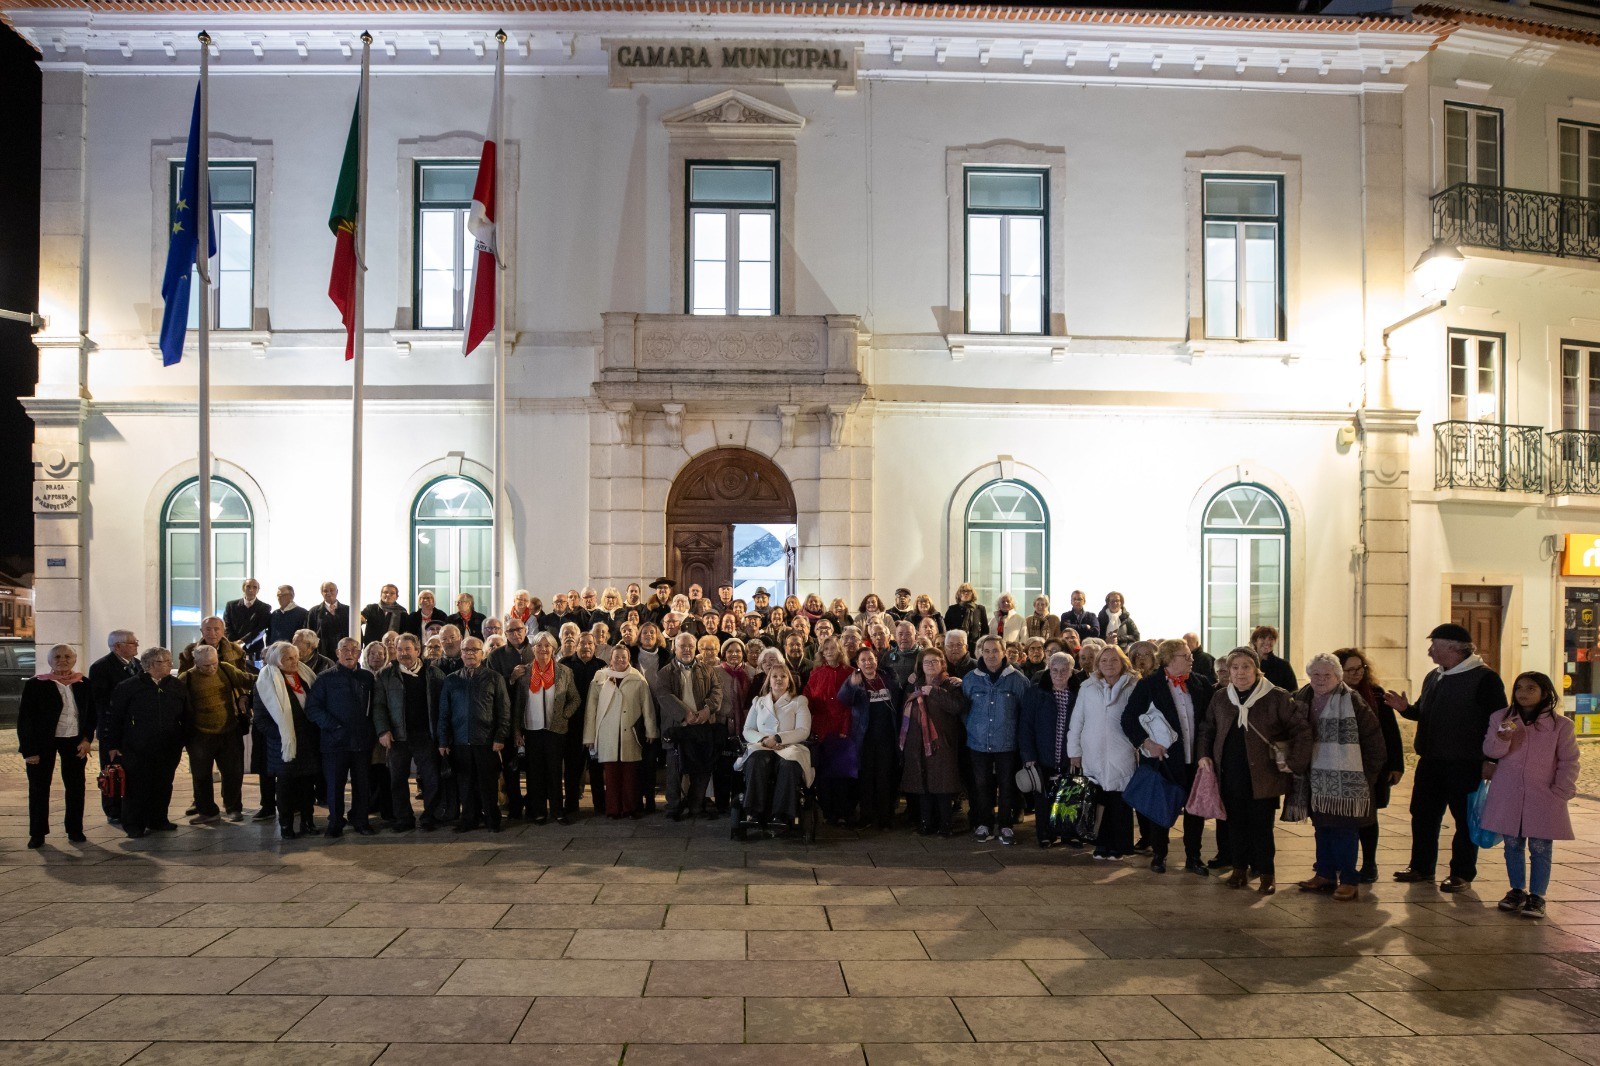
342	220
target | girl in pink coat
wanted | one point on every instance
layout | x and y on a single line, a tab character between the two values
1537	773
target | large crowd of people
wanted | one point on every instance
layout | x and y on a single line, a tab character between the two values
694	705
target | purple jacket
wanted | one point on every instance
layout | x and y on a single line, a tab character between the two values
1536	776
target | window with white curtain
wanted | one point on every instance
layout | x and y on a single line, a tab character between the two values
1245	545
1007	222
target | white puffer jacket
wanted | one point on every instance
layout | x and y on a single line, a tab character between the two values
1096	734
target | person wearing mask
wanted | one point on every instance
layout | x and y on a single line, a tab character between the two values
689	698
1042	734
1080	620
1359	676
930	742
967	614
55	725
1116	624
474	726
874	699
329	620
213	636
1097	746
838	759
543	702
1452	714
288	619
1264	639
620	718
1205	664
1535	777
148	721
1346	758
117	665
405	697
1255	740
996	691
219	692
289	738
776	762
1181	696
426	614
246	620
340	704
584	664
385	616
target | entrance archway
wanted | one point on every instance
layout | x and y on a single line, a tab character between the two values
718	490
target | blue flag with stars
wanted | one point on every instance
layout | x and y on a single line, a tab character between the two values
181	248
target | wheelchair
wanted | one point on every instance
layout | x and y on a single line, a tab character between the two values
742	826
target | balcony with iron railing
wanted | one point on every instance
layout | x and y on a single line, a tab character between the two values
1517	220
1488	456
1573	462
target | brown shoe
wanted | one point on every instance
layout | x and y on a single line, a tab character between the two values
1318	884
1346	893
1238	879
1267	887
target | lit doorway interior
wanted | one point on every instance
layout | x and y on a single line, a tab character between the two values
763	557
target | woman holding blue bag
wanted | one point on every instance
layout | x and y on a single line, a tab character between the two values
1534	778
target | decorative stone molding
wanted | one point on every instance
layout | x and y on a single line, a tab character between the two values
733	114
787	412
623	413
838	422
994	344
674	413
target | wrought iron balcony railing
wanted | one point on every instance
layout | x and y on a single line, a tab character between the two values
1517	220
1487	455
1574	462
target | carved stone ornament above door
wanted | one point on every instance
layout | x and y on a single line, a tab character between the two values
733	114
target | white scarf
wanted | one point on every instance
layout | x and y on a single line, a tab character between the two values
1263	686
412	671
1471	662
274	693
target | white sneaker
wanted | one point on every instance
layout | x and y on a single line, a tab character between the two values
1007	837
981	833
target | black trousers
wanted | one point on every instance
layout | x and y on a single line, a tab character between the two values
575	760
111	805
149	795
1441	785
772	786
478	778
269	792
543	762
295	794
648	768
1042	799
40	775
1251	823
1116	825
225	752
400	757
597	784
1194	831
994	778
879	777
337	768
935	811
679	798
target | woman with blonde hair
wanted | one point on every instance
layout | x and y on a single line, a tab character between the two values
1097	746
621	719
830	725
1008	625
776	761
968	614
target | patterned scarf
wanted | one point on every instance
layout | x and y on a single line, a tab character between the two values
1338	780
541	677
918	705
1063	699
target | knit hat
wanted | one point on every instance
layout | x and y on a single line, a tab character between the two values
1451	631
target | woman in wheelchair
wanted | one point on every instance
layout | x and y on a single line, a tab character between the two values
777	762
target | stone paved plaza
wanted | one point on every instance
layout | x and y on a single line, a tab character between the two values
651	942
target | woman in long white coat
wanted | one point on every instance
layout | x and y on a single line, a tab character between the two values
776	762
620	719
1097	746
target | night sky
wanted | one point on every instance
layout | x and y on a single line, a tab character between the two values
19	286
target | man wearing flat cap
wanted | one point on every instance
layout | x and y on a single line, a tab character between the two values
1452	716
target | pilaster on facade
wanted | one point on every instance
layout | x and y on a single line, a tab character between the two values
1384	554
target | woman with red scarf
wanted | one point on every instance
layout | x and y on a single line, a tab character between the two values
930	743
830	726
739	690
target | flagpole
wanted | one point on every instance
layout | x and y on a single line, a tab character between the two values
203	335
497	586
358	327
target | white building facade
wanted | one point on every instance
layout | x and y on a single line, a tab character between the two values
1040	299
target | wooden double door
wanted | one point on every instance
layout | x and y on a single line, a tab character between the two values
718	489
1480	610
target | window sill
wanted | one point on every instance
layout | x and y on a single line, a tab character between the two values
961	344
1285	351
444	340
222	340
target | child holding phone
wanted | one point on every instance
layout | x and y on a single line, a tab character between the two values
1537	773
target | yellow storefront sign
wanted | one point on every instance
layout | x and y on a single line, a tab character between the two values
1582	555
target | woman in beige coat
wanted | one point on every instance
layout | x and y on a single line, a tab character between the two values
621	718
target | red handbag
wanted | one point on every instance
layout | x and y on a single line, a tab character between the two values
113	781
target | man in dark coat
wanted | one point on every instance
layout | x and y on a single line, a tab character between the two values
340	703
1085	622
288	619
109	671
474	725
329	620
427	612
247	619
1264	639
584	666
146	728
1182	697
1205	664
689	696
405	709
467	618
385	616
956	656
1452	716
510	660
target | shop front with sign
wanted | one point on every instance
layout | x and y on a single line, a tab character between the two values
1580	624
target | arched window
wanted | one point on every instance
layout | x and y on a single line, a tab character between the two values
452	531
1245	545
232	555
1008	528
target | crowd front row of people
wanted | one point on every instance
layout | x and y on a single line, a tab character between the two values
507	726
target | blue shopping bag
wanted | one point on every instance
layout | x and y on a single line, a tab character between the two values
1480	836
1154	795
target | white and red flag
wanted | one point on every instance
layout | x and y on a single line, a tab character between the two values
481	222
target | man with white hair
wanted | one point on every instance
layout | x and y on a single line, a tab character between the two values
149	717
110	670
213	634
340	703
217	690
474	726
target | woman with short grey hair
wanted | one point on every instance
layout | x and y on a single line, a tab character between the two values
1347	754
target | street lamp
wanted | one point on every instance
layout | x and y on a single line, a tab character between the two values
1437	271
33	318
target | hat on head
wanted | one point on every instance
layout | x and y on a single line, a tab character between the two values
725	585
1451	631
762	592
1028	779
902	592
663	582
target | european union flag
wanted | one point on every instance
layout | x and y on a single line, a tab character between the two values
181	248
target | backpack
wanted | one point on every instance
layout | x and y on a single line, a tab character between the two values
1075	808
113	781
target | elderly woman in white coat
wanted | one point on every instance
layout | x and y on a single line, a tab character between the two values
1098	747
621	718
776	762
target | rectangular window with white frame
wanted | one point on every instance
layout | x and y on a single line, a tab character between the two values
1580	386
443	256
1477	376
1007	223
1243	256
233	213
1578	169
1474	139
733	237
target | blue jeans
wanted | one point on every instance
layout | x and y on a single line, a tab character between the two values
1540	852
1337	849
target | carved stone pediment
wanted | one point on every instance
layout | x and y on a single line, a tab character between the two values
735	114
